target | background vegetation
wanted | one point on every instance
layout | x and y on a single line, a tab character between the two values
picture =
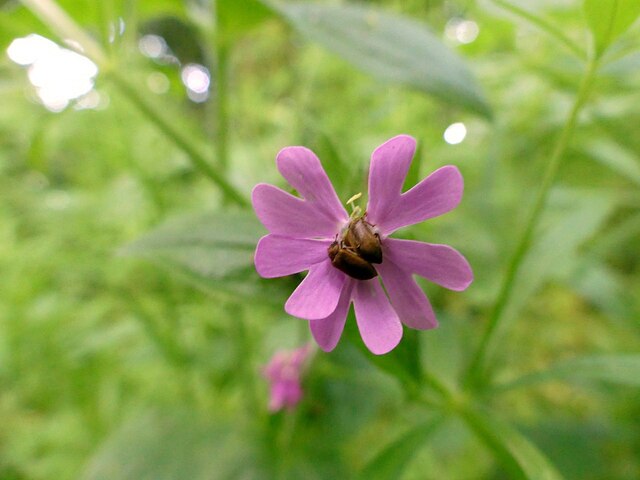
133	327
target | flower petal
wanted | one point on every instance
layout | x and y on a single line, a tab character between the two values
389	166
435	195
327	331
272	371
407	298
378	322
283	214
318	294
284	393
299	356
277	256
303	170
440	264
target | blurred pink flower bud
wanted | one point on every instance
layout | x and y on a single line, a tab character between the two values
283	373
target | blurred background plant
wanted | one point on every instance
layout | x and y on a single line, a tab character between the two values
135	130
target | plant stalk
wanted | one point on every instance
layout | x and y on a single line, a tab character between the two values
64	27
222	106
199	160
544	26
477	368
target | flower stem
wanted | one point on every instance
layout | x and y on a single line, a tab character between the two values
542	25
198	159
477	370
64	27
436	384
222	106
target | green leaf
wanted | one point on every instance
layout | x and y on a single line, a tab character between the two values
622	369
181	37
236	17
212	245
212	251
572	218
528	12
576	217
598	282
617	158
608	19
15	21
517	454
390	47
172	446
392	460
578	447
603	287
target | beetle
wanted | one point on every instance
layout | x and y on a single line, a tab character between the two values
361	238
344	258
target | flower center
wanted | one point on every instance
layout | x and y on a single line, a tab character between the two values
357	249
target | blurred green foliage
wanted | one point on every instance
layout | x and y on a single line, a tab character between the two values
113	368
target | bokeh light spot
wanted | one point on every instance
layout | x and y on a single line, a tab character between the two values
462	31
158	83
153	46
455	133
58	74
197	80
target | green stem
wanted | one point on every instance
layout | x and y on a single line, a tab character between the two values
108	25
542	25
241	335
476	370
64	26
436	384
222	106
167	345
167	127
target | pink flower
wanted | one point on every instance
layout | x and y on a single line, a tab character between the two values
283	372
342	253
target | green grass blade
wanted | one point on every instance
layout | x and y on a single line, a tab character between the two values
516	453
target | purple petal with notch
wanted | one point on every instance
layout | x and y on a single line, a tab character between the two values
440	264
379	325
303	170
318	294
284	214
407	298
327	331
277	256
437	194
389	166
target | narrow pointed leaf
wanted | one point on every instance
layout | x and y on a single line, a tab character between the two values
173	446
516	453
211	251
213	245
236	17
392	460
622	369
577	217
608	19
390	47
619	159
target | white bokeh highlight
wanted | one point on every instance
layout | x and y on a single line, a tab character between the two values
455	133
59	75
461	30
197	80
